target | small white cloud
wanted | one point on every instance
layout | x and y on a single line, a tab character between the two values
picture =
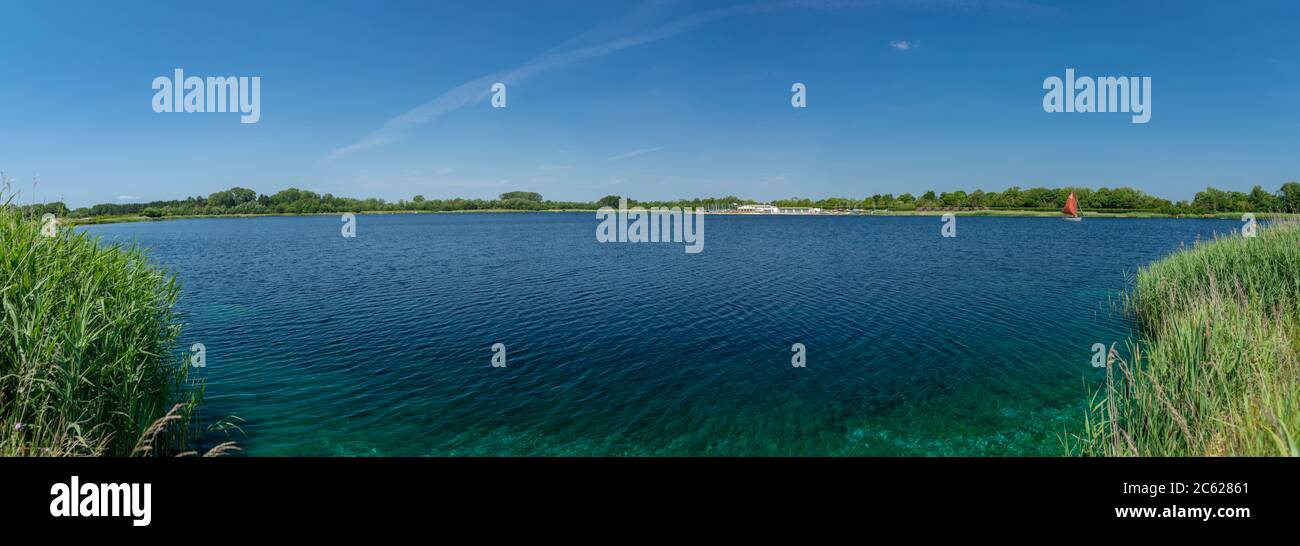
635	153
128	197
902	45
554	167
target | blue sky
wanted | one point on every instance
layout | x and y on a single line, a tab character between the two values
652	100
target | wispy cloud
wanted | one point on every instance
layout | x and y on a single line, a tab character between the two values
902	45
554	167
607	40
635	153
128	197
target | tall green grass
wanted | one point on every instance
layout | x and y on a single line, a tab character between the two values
87	334
1216	372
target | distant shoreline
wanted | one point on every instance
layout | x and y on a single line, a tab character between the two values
1121	202
96	220
995	213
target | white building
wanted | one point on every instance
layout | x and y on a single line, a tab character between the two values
799	210
757	209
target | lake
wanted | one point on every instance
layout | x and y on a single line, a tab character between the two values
916	344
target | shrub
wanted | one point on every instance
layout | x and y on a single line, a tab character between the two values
86	347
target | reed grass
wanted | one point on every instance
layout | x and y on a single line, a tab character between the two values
1216	371
87	335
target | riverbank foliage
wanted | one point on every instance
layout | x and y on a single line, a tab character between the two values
1116	200
1217	372
244	201
86	347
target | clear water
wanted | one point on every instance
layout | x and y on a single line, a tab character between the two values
917	344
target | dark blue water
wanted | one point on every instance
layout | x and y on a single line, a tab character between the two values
917	344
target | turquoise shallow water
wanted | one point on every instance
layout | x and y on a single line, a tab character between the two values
917	344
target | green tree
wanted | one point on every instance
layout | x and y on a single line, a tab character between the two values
1289	196
522	195
1216	200
231	197
1261	200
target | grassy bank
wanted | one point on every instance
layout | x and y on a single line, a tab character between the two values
86	340
1217	371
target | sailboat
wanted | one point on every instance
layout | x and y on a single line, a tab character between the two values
1072	209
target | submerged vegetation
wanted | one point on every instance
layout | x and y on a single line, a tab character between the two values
86	339
1217	371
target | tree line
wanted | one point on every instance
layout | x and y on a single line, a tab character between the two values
239	200
1122	199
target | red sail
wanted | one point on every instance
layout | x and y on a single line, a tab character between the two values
1071	206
